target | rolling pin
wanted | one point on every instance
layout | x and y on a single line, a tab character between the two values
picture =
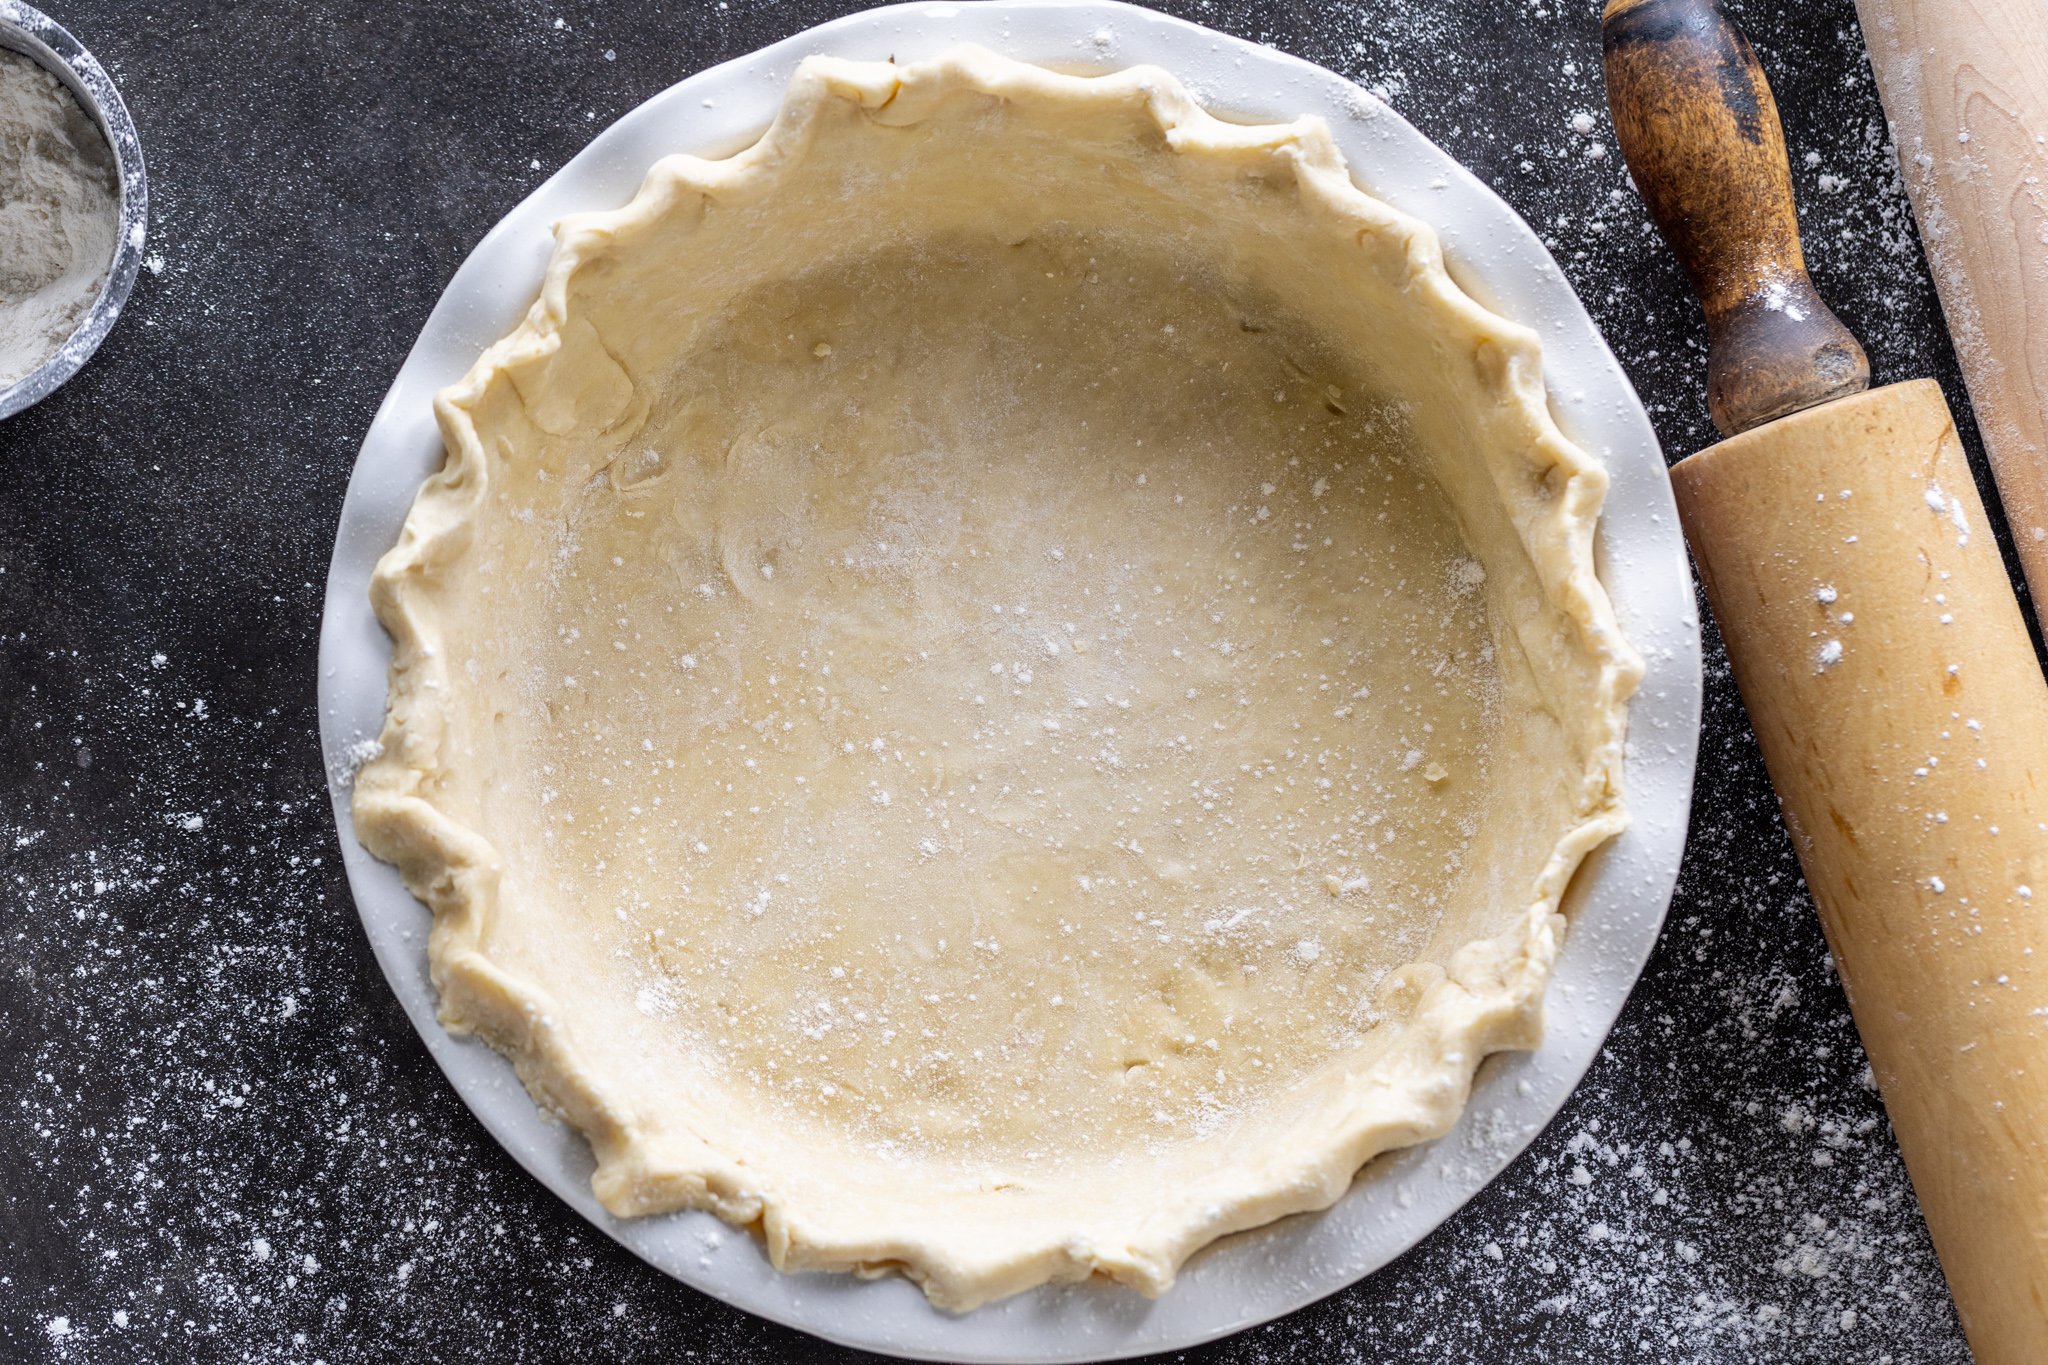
1965	86
1882	655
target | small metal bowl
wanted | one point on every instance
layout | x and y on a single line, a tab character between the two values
43	40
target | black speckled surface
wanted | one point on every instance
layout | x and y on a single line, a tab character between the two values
219	1138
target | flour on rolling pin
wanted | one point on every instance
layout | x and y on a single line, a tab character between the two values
1831	648
59	214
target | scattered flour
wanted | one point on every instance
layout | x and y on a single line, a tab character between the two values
167	1111
59	207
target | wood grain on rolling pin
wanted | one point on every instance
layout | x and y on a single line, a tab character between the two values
1894	692
1965	85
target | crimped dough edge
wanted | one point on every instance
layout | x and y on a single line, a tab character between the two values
1490	997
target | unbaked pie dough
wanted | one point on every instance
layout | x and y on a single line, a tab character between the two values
999	685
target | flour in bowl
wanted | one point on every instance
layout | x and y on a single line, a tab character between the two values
59	213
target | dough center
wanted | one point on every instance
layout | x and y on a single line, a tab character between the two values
1009	703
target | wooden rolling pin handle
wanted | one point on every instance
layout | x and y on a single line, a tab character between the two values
1699	127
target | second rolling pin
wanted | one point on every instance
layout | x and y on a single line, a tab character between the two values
1965	85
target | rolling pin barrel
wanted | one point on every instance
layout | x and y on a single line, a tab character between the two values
1893	690
1887	670
1697	122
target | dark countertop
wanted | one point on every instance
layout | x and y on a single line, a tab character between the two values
220	1139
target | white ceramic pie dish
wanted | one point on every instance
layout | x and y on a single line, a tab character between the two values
1617	904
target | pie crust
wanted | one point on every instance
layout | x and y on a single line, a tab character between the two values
1000	685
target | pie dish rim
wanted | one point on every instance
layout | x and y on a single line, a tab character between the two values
1071	1322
